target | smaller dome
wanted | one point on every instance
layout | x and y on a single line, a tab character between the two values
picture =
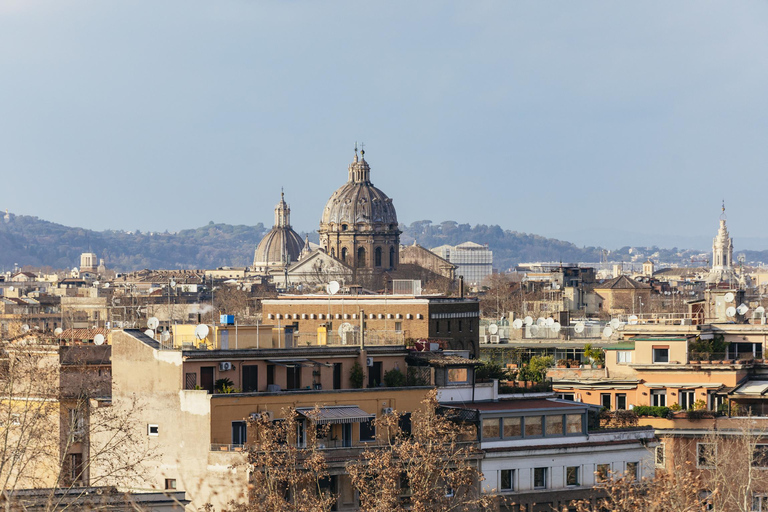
282	245
279	248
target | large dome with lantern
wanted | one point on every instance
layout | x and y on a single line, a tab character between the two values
359	223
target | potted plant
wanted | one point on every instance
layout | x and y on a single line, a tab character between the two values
596	355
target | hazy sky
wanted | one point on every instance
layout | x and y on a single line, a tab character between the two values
596	122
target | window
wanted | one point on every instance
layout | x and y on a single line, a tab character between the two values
170	483
153	430
621	401
566	396
706	453
605	400
367	431
293	377
554	425
631	470
360	257
533	426
661	354
377	257
512	427
458	376
507	480
392	256
760	456
686	398
659	397
437	325
449	326
344	254
491	428
190	380
76	468
624	356
602	472
759	503
661	458
539	478
399	326
574	424
250	377
459	325
572	476
239	432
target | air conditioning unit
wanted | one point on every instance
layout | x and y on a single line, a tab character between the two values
494	338
483	339
225	366
387	410
369	361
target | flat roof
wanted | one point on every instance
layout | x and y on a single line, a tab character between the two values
519	405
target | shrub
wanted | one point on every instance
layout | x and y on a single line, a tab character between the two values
356	376
651	410
490	371
224	385
394	378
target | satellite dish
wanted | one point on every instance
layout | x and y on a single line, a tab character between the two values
555	286
540	322
607	332
760	310
10	288
173	283
556	327
493	329
517	323
58	331
633	320
550	321
729	297
150	333
579	327
614	323
534	330
333	287
346	327
742	309
153	322
106	285
96	284
98	339
730	311
201	331
528	321
25	328
165	336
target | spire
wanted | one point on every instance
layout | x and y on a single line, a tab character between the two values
282	212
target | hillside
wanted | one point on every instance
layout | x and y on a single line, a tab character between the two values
31	241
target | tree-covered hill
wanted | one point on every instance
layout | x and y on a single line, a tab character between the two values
27	240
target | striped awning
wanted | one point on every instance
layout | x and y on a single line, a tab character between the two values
336	414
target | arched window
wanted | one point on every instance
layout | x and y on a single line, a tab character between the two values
333	253
344	254
361	257
392	257
378	256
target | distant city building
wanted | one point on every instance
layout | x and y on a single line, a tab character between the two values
473	261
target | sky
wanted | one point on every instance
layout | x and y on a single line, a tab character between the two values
601	123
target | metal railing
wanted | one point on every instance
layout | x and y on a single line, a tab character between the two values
352	338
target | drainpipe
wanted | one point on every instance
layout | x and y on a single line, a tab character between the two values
363	360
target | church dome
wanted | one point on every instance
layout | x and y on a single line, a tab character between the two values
359	202
282	245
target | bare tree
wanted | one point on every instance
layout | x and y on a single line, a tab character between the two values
433	468
58	430
287	466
